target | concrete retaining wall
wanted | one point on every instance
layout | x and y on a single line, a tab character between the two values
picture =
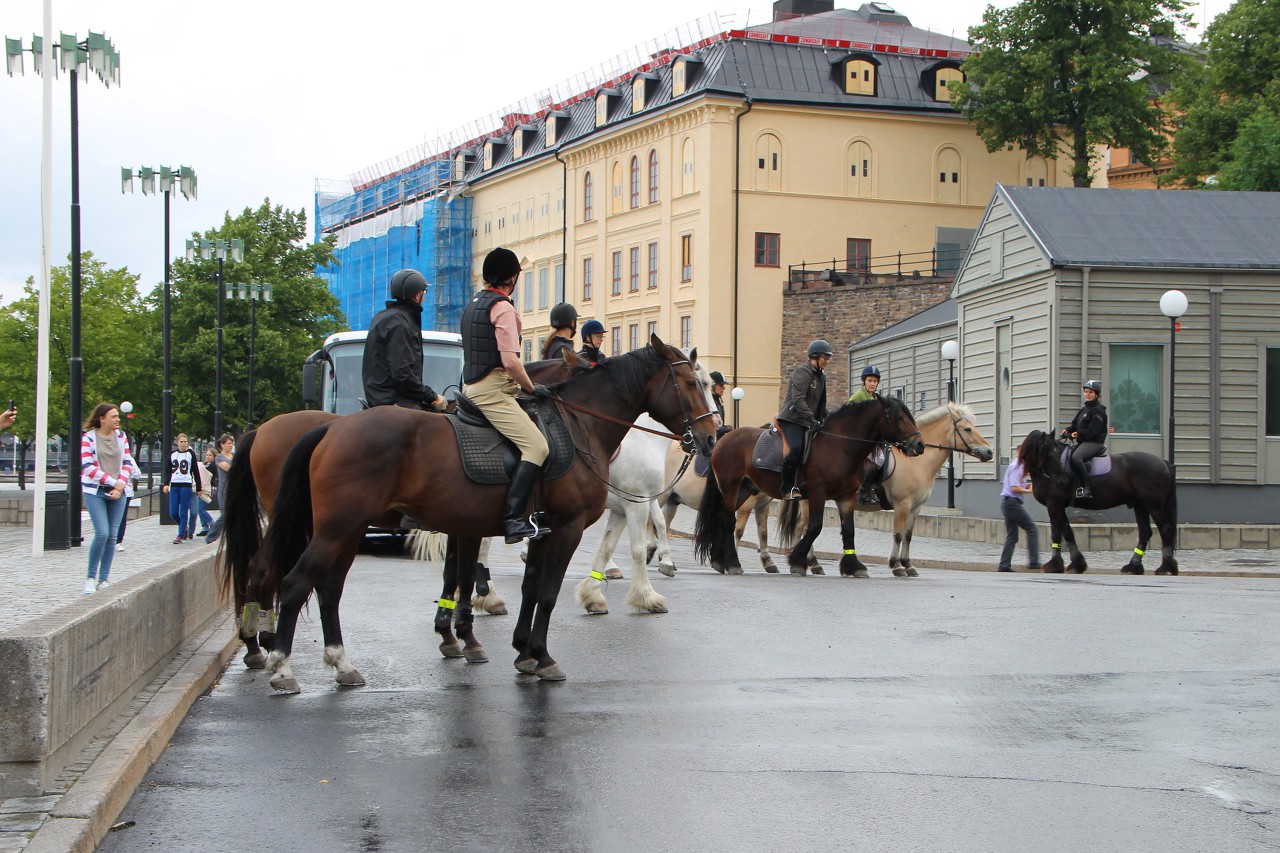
66	675
1090	537
16	506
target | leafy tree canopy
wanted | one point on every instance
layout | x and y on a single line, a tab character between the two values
1060	78
1227	107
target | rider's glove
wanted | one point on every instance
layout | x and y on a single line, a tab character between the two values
541	391
815	424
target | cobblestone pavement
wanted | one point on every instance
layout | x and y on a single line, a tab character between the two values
36	586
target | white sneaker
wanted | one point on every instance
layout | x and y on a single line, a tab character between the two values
119	547
90	586
103	584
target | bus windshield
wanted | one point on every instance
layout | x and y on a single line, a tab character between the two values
343	385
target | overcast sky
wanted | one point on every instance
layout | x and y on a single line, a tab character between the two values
262	98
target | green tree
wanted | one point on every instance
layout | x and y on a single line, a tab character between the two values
289	328
113	345
1061	79
1227	107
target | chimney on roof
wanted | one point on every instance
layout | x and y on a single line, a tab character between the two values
785	10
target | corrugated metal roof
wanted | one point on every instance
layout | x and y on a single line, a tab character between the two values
1150	228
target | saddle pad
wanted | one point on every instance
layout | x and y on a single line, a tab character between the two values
489	458
701	465
890	465
1098	465
768	452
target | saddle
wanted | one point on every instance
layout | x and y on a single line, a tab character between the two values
1098	466
770	449
488	457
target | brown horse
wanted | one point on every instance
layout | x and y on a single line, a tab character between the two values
831	472
342	476
250	494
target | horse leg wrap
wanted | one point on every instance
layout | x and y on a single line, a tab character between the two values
249	620
271	621
482	579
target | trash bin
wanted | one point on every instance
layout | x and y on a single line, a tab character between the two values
57	521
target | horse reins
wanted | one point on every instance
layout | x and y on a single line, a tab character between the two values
900	443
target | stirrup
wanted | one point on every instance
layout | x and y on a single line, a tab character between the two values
1084	493
795	494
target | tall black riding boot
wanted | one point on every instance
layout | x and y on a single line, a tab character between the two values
790	491
513	518
1081	471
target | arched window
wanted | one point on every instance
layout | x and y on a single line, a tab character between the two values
768	163
686	167
588	199
857	177
948	169
635	182
1036	172
653	176
615	204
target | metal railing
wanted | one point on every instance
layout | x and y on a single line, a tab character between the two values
933	264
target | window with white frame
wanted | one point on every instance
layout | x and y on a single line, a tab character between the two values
616	290
588	278
653	176
559	282
652	329
634	283
635	182
633	335
653	266
1133	388
686	257
543	287
588	198
615	337
686	331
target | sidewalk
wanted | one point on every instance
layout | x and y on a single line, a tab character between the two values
874	548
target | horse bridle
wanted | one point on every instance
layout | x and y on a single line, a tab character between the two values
901	443
955	428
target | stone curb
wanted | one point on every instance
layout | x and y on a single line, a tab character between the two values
85	814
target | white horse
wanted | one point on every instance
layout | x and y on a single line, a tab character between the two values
638	482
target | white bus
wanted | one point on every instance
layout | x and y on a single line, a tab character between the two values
331	376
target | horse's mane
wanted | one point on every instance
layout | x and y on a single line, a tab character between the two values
956	410
850	409
1038	453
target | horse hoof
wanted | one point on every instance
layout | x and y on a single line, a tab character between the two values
733	570
526	665
1172	570
451	650
1079	570
285	684
256	660
718	567
667	568
597	610
550	672
500	610
899	573
817	570
861	573
1052	570
912	573
476	655
771	569
351	678
1131	569
799	570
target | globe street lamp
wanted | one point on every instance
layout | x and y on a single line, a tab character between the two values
737	394
97	54
186	183
254	293
221	249
950	352
1173	304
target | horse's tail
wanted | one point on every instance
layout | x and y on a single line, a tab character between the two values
241	521
291	523
709	532
1171	505
788	522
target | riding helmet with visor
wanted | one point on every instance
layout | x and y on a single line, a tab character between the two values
820	347
592	327
870	370
406	284
500	265
564	316
1093	385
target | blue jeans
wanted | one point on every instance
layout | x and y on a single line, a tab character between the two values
105	514
1015	516
180	498
198	509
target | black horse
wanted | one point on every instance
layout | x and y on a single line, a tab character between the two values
1140	480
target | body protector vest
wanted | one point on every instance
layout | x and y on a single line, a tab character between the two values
479	338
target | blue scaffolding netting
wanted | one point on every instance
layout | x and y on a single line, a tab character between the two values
404	221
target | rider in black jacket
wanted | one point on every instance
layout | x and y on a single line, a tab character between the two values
392	367
1089	429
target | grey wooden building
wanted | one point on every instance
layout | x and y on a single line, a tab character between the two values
1062	285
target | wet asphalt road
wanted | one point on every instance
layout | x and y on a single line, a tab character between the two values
959	711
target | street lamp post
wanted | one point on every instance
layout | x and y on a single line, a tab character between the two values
1173	304
220	249
97	54
254	293
187	185
950	352
737	394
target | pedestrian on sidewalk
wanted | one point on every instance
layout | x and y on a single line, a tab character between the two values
129	486
184	484
221	465
1015	516
199	507
105	466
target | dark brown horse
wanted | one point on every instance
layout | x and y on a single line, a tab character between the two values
1142	481
832	473
250	493
342	476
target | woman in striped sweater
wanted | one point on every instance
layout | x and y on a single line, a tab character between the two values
105	466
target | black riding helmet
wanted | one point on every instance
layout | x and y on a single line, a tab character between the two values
406	284
500	265
564	316
820	347
1093	385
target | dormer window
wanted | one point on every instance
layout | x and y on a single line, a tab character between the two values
859	75
935	78
555	123
605	100
460	162
683	73
945	76
519	136
640	88
492	150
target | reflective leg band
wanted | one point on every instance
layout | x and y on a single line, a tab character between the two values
597	576
271	621
1057	546
446	603
850	552
1139	551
